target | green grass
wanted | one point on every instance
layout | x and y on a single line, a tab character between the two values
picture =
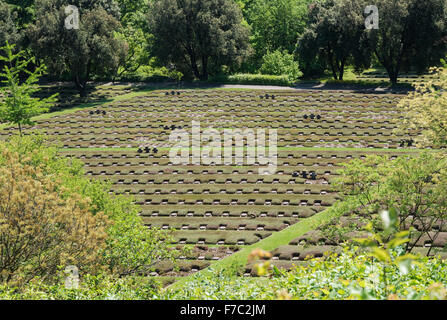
86	106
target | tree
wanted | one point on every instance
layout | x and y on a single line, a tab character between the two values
415	185
425	112
17	104
91	50
281	63
276	24
411	32
23	11
128	246
334	34
8	30
131	8
198	36
40	230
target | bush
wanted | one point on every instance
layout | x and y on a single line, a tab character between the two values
149	74
425	111
346	276
281	63
255	79
41	231
55	200
415	185
98	287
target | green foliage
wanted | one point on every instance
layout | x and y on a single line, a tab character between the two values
391	252
17	105
415	185
254	79
410	33
99	287
275	24
23	10
130	248
334	34
40	230
8	29
425	111
137	50
349	275
93	50
147	73
133	16
281	63
198	37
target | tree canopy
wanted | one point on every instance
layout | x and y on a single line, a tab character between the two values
198	37
334	33
411	33
92	50
276	24
17	104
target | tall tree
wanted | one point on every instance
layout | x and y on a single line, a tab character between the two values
335	34
276	24
198	36
8	30
411	33
17	105
23	11
91	50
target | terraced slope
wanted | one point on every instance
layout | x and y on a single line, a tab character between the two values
218	208
405	77
347	119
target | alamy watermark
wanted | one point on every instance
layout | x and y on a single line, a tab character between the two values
72	19
372	20
236	147
72	279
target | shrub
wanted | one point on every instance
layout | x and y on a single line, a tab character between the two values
345	276
41	231
17	104
281	63
99	287
126	247
425	110
247	78
415	185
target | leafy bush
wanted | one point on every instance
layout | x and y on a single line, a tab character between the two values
247	78
40	231
425	110
17	104
150	74
345	276
97	287
125	247
280	63
415	185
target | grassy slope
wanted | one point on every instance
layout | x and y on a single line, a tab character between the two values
275	240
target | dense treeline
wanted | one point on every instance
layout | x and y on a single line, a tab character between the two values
199	39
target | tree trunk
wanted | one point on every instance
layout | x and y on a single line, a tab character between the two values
193	63
331	62
204	68
81	85
341	70
393	75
